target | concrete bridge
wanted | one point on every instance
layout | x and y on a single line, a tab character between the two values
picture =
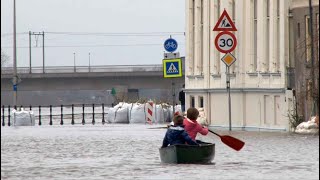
87	85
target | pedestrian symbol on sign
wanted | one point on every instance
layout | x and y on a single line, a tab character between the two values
172	69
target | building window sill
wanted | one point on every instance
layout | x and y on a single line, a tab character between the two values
252	73
199	76
275	74
265	73
190	76
216	75
233	75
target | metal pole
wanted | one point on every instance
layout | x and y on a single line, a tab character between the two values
74	62
89	62
229	97
15	94
43	51
173	97
30	71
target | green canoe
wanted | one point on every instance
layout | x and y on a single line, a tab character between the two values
188	154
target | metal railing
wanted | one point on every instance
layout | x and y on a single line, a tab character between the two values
84	69
54	115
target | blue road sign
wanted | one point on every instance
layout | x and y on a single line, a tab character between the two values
172	68
170	45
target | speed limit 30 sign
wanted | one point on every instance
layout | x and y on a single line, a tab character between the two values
225	42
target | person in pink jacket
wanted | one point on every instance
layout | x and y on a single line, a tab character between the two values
192	126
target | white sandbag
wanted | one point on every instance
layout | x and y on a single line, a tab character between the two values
125	105
313	119
302	125
138	114
129	107
121	115
311	125
23	118
166	112
307	131
119	105
111	115
202	119
176	110
159	114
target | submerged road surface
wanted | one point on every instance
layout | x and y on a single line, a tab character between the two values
91	152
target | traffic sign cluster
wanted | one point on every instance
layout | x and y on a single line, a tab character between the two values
226	41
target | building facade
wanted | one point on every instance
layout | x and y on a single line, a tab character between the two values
260	93
306	71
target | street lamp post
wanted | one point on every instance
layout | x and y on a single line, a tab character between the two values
89	62
15	78
74	62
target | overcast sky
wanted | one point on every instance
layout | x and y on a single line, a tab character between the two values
112	31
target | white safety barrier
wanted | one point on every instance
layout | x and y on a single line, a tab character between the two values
149	112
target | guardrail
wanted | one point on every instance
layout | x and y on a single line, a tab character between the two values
84	69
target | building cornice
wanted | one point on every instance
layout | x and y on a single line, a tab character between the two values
237	90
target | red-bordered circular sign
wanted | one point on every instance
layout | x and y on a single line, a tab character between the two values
225	42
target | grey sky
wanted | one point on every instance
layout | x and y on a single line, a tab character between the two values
137	21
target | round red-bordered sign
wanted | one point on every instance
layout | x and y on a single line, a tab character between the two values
225	42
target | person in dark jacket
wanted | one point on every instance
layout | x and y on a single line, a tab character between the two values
182	99
176	134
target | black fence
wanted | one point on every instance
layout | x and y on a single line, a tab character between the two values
62	116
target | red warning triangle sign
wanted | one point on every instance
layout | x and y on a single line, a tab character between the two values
225	23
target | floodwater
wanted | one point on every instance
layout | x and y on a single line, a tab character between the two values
128	151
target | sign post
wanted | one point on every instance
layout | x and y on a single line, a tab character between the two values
172	66
226	42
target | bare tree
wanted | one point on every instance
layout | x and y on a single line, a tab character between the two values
307	72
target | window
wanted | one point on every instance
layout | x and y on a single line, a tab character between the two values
308	39
255	29
218	10
233	66
278	8
309	88
298	30
318	34
267	34
201	37
192	39
268	8
277	61
201	102
217	54
192	101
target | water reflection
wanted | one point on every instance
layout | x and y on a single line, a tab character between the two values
131	152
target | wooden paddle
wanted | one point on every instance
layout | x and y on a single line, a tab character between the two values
230	141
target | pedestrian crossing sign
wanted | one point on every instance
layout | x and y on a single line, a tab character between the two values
172	68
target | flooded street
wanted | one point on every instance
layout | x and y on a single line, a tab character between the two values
127	151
